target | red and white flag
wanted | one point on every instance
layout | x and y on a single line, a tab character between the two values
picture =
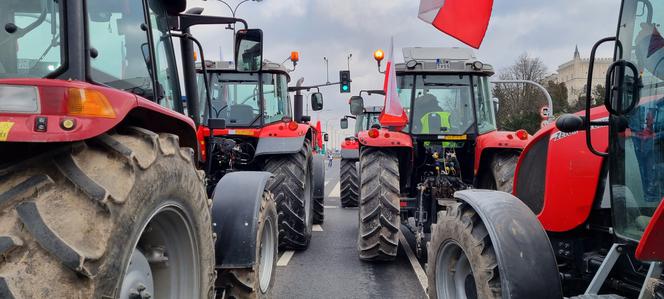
464	20
393	114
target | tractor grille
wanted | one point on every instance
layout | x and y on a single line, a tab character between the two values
532	172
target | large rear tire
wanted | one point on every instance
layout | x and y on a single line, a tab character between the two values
257	281
379	220
293	192
350	183
502	167
118	216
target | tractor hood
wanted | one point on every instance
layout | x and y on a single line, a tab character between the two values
561	194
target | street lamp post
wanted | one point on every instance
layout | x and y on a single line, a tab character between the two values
327	69
234	11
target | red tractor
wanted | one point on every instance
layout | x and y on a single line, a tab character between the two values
262	133
450	143
100	196
350	153
587	215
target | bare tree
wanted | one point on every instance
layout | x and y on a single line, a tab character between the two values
520	104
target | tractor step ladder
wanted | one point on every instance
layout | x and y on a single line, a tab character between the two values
654	271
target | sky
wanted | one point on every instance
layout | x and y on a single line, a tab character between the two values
336	28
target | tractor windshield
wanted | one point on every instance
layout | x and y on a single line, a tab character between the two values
237	98
637	166
31	41
443	104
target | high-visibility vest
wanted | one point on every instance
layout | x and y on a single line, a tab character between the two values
444	121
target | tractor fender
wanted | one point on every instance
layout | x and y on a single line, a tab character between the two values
496	140
351	154
279	145
277	139
385	139
236	202
128	109
318	176
526	261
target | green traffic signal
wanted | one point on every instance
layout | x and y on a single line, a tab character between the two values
344	80
344	87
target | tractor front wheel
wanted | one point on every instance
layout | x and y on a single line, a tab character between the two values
461	263
350	183
379	221
293	193
256	282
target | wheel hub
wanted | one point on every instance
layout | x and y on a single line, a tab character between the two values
138	283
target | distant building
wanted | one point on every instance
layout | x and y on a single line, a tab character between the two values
574	74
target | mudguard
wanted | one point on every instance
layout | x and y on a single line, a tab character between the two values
235	208
279	145
127	108
385	139
319	176
350	154
496	140
526	261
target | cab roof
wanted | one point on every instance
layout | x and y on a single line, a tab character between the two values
441	60
229	66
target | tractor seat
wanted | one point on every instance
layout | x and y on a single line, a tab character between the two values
241	114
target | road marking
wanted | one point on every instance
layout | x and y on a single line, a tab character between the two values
419	272
331	207
336	191
317	228
285	258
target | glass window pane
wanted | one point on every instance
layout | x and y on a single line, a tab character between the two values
36	48
637	166
486	119
114	30
442	105
167	75
277	103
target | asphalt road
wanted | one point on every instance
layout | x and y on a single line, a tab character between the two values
330	268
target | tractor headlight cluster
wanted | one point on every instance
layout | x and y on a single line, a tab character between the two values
478	65
19	99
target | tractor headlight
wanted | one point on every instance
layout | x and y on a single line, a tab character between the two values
19	99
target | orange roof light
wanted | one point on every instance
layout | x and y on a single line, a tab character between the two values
379	55
87	102
295	56
195	56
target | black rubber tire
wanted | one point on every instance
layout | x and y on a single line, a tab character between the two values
350	183
244	283
292	174
502	166
68	218
460	223
319	190
379	219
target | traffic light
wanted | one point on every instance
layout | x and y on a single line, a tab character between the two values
344	79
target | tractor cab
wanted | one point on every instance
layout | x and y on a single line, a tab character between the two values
636	158
246	100
445	92
368	119
446	95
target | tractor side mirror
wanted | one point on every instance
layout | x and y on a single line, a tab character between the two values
569	123
326	137
344	123
249	50
356	105
216	123
317	101
496	103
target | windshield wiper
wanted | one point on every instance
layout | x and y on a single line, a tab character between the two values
255	119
